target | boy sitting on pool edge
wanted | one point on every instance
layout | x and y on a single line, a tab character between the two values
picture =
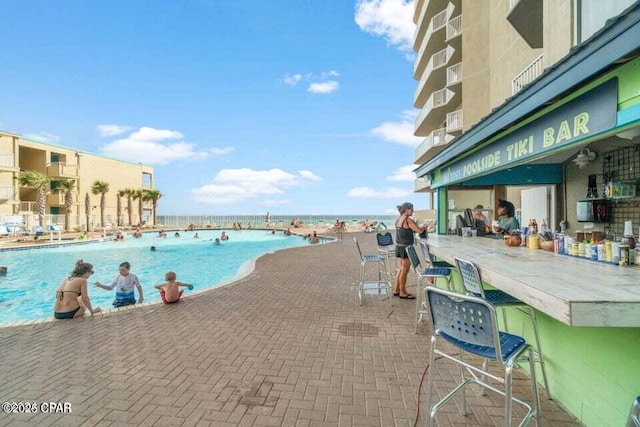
169	291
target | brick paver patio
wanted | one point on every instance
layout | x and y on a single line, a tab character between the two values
286	345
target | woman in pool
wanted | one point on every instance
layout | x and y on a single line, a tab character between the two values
72	297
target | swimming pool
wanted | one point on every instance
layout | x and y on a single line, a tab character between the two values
27	292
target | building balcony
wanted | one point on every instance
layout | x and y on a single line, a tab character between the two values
433	116
62	170
527	19
433	39
529	74
433	78
454	74
57	198
28	207
454	27
454	121
7	192
7	161
431	145
422	185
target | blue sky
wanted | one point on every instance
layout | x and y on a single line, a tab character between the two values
241	107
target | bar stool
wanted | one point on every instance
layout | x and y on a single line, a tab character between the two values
473	284
469	323
429	258
428	273
380	284
388	249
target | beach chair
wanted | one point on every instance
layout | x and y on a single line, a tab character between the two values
53	227
4	231
37	230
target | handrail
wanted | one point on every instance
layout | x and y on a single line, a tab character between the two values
529	74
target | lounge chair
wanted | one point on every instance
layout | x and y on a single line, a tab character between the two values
4	231
53	227
39	231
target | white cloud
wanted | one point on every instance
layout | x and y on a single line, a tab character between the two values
324	87
390	19
231	186
400	132
325	82
293	79
113	130
220	151
403	174
370	193
46	137
153	146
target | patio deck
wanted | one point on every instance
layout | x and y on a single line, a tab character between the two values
286	345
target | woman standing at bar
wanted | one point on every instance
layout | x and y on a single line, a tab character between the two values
405	227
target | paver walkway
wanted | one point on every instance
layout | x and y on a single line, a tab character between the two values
287	345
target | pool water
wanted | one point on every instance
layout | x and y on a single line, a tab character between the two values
27	292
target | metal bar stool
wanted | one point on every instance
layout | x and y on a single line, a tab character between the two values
388	249
382	284
473	284
469	323
425	274
431	259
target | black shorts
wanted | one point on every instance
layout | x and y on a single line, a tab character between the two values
401	252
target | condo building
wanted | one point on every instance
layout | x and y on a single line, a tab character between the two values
18	204
538	102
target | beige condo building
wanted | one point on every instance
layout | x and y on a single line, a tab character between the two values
18	203
474	55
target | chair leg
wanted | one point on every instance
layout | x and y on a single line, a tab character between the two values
534	389
432	368
508	374
540	358
419	297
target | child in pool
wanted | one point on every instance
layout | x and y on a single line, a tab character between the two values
124	285
170	291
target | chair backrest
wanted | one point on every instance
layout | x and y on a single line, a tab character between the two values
634	414
358	246
468	319
413	257
428	258
470	277
384	239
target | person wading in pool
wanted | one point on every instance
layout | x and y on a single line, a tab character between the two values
72	297
124	284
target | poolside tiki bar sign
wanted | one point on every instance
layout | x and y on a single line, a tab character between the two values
589	114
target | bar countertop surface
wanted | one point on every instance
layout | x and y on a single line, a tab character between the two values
572	290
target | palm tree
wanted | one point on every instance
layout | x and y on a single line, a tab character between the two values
137	195
87	210
129	193
121	194
38	181
153	196
102	188
67	185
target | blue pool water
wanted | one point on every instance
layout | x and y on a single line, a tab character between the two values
27	292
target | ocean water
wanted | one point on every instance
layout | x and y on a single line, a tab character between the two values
256	221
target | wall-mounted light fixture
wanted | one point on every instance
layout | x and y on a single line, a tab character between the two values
584	157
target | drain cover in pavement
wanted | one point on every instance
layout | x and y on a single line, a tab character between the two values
358	329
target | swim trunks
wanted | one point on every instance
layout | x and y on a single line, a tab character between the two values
124	299
164	298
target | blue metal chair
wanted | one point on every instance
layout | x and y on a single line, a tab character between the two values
388	249
469	323
425	274
429	258
382	284
472	282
